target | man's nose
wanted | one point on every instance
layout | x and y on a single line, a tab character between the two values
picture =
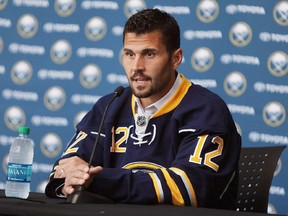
139	63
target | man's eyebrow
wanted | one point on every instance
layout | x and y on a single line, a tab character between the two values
126	49
149	50
144	50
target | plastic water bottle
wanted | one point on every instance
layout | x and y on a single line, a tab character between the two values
20	165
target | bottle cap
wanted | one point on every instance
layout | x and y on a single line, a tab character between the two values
24	130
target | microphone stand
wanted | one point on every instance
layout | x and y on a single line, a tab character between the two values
81	195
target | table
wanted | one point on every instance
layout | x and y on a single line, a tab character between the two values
39	204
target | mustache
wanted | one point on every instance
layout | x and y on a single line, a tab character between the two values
139	74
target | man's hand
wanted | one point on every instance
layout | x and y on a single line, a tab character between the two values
76	172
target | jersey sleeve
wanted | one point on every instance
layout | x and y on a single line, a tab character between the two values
80	145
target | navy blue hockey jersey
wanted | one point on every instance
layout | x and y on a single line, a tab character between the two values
188	154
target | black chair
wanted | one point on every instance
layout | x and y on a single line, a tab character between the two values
256	170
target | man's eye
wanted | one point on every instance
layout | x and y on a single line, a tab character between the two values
129	54
150	54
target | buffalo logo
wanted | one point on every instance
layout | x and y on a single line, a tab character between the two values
280	13
21	72
95	28
51	145
27	26
90	76
240	34
133	6
79	117
14	118
207	11
61	51
1	44
235	84
202	59
64	8
278	63
274	114
54	98
3	4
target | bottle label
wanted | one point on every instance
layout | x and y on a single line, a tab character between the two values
19	172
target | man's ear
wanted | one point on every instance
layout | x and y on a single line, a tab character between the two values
177	58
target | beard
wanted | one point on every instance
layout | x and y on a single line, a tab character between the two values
153	87
141	92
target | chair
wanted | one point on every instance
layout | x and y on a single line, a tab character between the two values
256	170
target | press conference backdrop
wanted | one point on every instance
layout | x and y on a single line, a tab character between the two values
57	58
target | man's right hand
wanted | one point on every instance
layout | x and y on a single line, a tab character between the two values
76	172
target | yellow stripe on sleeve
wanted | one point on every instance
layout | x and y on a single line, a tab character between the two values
177	198
157	187
188	185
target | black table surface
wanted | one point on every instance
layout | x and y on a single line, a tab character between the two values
39	204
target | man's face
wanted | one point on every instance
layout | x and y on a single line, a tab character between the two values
148	66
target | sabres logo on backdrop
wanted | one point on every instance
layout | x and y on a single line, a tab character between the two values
27	26
240	34
61	51
274	114
280	13
54	98
278	64
65	8
133	6
95	28
90	76
21	72
235	84
14	117
51	145
207	11
202	59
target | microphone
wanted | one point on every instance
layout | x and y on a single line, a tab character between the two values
80	195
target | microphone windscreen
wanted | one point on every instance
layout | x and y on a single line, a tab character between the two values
118	91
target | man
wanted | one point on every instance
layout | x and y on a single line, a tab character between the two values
164	140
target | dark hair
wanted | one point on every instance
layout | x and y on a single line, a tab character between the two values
149	20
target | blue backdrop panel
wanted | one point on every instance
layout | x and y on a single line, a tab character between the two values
58	57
